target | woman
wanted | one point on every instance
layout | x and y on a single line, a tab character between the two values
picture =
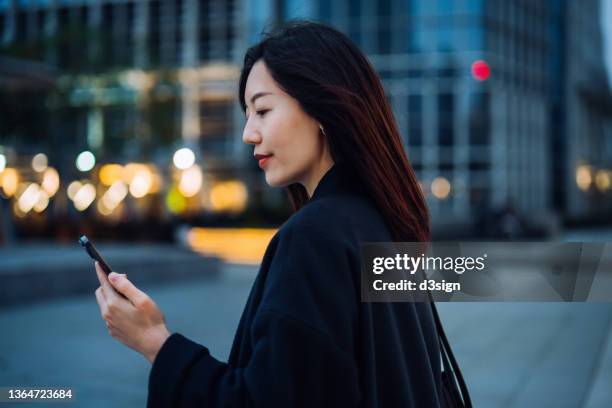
320	124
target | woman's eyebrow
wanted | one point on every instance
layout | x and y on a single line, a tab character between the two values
259	95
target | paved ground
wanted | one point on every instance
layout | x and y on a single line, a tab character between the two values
32	272
65	343
533	354
513	354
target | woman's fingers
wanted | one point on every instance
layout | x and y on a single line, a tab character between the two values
100	273
117	334
106	315
122	285
101	301
114	330
109	292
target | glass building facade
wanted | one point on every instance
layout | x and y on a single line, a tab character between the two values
500	103
162	72
485	137
497	137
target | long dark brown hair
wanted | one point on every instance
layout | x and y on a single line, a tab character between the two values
335	84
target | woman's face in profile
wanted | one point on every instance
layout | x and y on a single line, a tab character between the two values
277	126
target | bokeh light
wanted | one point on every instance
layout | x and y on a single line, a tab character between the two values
440	188
85	161
28	198
73	188
481	70
141	183
109	173
602	180
584	177
43	201
84	197
230	196
191	181
51	181
183	158
175	201
40	162
114	195
9	180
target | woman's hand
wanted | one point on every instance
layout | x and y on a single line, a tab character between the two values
135	320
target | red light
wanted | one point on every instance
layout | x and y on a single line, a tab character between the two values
480	70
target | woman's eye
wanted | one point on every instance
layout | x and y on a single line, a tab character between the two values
262	112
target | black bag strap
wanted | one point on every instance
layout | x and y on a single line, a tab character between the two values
447	354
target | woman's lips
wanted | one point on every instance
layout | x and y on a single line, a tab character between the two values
264	160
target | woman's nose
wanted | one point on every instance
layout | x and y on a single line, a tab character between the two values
250	136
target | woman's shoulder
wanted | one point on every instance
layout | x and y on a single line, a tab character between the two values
331	216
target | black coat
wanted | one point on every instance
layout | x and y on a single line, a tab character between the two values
305	339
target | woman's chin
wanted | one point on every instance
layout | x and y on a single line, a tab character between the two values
274	181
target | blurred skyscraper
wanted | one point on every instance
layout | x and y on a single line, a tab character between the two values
586	114
502	103
139	74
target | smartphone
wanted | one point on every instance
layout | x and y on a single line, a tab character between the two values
94	254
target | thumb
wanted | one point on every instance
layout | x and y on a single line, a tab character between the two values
121	283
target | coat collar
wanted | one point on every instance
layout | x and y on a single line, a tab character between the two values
335	180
